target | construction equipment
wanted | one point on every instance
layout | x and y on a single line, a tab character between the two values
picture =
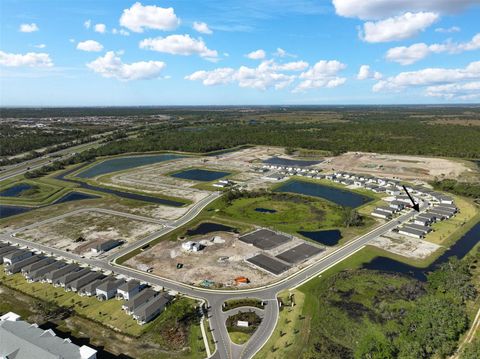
241	280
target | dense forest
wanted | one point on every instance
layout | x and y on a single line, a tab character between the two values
431	131
403	137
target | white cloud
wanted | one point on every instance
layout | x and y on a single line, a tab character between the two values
87	24
366	73
140	17
282	53
448	30
380	9
111	66
256	55
411	54
179	45
218	76
31	59
101	28
270	74
463	91
28	27
429	77
90	45
322	74
397	28
122	32
40	46
202	27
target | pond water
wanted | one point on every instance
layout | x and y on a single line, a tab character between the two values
459	250
279	161
335	195
16	190
328	237
209	227
200	175
124	163
265	210
135	196
8	211
74	196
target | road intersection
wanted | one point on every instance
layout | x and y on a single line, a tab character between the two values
215	298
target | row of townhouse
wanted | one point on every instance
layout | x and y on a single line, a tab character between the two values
143	304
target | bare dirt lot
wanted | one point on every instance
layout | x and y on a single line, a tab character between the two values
408	247
155	179
79	232
220	263
404	167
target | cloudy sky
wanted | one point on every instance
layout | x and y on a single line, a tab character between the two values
225	52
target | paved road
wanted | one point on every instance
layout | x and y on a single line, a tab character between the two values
33	164
215	298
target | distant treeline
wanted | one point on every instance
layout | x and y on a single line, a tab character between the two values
403	137
460	188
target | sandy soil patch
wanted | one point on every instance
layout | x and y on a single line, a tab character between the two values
405	167
405	246
87	229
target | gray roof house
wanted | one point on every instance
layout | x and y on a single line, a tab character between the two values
418	227
139	299
106	246
128	289
91	288
78	283
17	267
34	266
381	214
16	256
151	309
68	278
22	340
411	232
53	276
109	288
39	274
5	250
397	205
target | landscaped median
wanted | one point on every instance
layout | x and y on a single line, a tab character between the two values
242	325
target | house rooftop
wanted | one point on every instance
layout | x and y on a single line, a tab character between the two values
22	340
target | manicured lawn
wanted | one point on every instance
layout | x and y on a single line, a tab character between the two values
286	340
239	337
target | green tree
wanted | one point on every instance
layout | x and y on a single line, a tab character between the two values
374	345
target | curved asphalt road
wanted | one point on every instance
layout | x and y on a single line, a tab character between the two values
215	298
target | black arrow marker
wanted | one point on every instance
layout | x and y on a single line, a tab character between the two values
416	206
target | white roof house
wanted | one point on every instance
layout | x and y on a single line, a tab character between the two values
22	340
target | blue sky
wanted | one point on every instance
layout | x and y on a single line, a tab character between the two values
221	52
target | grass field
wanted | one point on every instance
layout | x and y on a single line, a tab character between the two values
239	337
291	327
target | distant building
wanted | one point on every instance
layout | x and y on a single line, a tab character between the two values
22	340
381	214
106	246
411	232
